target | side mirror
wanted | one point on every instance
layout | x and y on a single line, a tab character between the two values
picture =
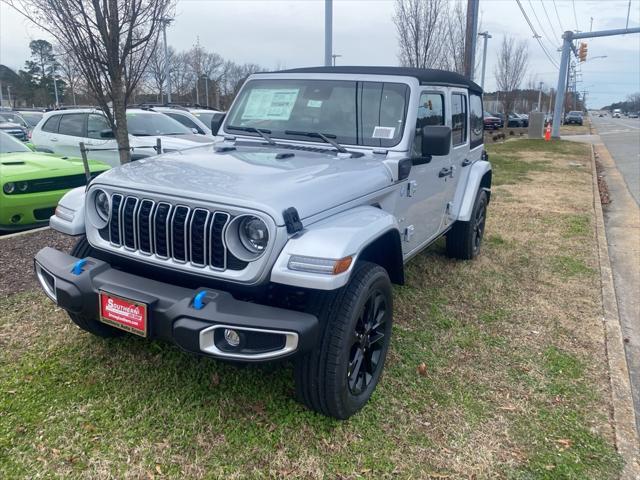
195	131
107	133
216	122
436	140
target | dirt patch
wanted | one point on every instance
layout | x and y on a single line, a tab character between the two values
603	188
16	258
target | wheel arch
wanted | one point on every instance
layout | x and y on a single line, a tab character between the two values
480	177
386	251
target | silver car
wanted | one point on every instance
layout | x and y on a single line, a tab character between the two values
283	239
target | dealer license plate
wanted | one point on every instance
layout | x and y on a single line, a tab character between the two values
123	313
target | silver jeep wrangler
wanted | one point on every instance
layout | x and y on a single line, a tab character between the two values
283	238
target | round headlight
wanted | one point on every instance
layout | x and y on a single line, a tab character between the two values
9	187
253	234
101	200
22	186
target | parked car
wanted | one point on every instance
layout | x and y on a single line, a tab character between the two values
10	126
31	183
197	119
491	122
634	114
573	117
31	118
284	239
61	131
524	119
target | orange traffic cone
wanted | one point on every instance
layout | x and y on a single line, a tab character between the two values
547	132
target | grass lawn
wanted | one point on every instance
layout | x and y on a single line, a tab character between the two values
515	384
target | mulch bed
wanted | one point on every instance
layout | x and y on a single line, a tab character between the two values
16	258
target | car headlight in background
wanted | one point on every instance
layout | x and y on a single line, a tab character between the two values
247	237
9	188
101	200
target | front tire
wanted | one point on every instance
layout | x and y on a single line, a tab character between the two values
465	238
90	324
339	376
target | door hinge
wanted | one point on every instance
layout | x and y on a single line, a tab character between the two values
408	233
412	186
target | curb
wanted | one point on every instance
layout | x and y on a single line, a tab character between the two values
25	232
623	414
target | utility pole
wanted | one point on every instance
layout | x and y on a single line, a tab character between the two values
165	22
9	95
484	55
328	32
0	94
584	100
568	38
540	97
206	88
55	89
471	34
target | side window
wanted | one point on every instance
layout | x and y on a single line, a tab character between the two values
51	125
476	120
95	125
73	124
186	121
430	112
458	119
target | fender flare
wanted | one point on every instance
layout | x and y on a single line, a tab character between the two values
342	235
479	177
69	216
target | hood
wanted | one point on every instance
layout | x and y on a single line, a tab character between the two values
254	178
10	125
34	165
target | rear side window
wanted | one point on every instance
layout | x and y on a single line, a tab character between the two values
73	124
458	119
184	120
96	124
476	120
51	125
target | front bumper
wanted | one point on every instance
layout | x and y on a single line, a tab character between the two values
270	332
22	211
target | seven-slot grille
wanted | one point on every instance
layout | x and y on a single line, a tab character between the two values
179	232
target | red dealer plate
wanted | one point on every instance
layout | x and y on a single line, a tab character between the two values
123	313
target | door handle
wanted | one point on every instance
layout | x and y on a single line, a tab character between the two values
466	162
444	172
54	139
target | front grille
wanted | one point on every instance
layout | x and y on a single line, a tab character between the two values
53	184
178	232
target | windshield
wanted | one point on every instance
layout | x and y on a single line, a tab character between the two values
13	118
9	144
354	113
575	113
204	117
32	118
149	124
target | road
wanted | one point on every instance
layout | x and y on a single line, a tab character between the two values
621	165
622	138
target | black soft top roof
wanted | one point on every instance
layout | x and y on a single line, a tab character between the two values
424	75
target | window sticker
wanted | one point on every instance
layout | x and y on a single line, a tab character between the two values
386	133
314	103
270	104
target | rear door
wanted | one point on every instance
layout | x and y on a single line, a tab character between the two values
71	132
46	135
460	143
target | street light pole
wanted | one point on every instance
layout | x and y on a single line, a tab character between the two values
540	97
328	32
165	22
55	89
206	88
484	55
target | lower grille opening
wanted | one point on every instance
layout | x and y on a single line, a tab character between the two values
43	213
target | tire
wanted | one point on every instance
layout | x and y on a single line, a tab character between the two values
82	249
338	377
465	238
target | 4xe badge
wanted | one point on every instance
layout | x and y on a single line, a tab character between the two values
124	314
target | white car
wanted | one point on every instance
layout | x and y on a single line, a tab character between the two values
61	132
196	119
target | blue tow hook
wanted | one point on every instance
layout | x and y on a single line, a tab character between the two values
198	300
78	266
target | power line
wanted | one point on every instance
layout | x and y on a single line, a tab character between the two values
558	16
553	30
575	17
535	35
542	29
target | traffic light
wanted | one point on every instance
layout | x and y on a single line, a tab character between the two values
582	52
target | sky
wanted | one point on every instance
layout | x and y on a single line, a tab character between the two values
279	33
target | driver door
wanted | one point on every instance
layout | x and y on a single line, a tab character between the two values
96	124
424	201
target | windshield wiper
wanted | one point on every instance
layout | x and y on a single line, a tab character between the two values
327	137
263	132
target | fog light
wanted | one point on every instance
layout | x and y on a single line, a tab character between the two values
232	337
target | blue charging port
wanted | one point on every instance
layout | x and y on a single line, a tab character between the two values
78	266
198	300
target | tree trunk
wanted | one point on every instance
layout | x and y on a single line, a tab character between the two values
120	116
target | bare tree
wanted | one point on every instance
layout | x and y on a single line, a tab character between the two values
71	73
510	70
421	29
455	33
111	42
156	74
